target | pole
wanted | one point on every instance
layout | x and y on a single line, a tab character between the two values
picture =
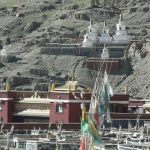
57	143
57	146
8	135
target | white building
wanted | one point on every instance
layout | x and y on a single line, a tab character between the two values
121	36
105	36
90	37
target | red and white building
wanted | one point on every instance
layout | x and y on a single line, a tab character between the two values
32	109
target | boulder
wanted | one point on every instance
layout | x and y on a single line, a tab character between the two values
1	65
133	9
82	16
63	16
46	7
58	1
75	6
44	16
77	16
12	58
19	81
1	45
31	26
31	42
40	72
139	45
19	15
3	8
144	32
6	41
144	9
12	9
5	32
143	53
14	24
68	34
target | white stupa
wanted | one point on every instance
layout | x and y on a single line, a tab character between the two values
121	36
3	55
3	52
105	53
90	37
105	37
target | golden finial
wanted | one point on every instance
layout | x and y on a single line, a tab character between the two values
69	87
49	87
7	86
83	108
53	87
126	89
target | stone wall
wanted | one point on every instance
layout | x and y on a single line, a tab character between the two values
40	72
111	66
89	52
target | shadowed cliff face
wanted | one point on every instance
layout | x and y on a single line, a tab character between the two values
26	25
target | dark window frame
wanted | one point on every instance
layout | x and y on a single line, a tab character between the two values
1	106
59	108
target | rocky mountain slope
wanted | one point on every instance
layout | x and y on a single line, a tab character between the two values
25	25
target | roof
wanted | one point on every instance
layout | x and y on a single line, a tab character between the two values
34	112
35	100
72	84
146	105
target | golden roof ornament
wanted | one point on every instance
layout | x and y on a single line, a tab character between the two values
8	86
53	87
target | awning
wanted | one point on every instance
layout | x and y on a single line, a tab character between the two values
34	112
35	100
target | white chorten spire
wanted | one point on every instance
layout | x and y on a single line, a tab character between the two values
121	18
121	36
90	37
105	23
105	37
3	55
3	52
105	53
91	23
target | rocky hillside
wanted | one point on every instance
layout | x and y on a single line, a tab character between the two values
25	25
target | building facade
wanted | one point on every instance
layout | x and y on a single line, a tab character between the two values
62	105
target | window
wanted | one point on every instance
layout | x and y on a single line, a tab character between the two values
1	120
1	106
59	108
22	144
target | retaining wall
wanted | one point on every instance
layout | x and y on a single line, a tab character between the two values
80	51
